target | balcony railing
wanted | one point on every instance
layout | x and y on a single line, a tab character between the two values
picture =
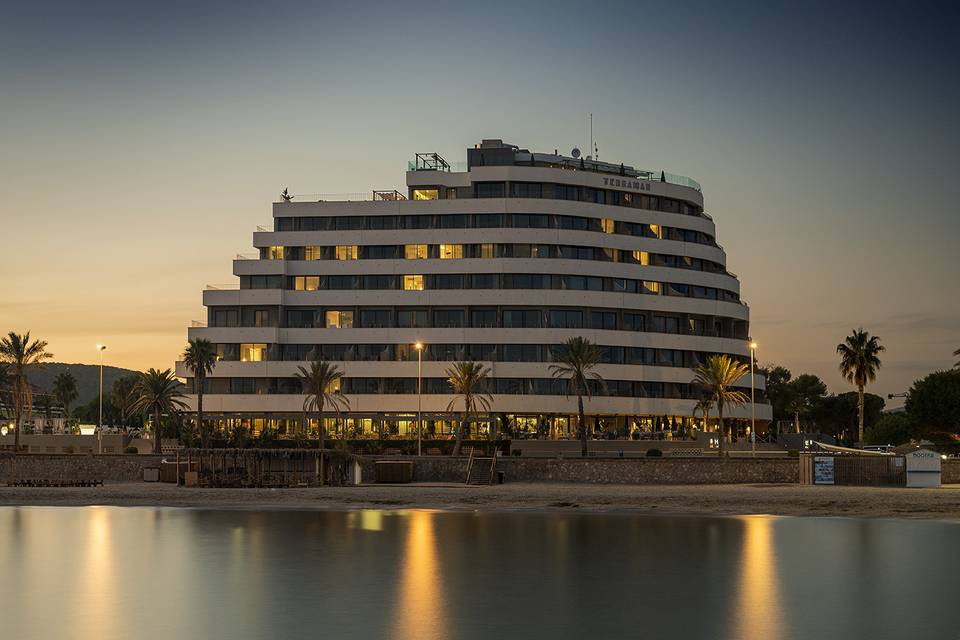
230	286
387	195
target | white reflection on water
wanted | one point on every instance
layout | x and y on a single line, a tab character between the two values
420	610
97	598
757	610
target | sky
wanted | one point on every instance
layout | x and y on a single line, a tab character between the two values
141	144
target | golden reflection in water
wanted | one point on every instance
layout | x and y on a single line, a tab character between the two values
98	592
420	605
758	611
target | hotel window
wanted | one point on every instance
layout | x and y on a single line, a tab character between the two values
490	189
607	225
413	318
488	250
347	252
339	319
253	352
274	253
334	386
426	194
306	283
656	231
651	287
634	322
451	251
697	326
312	253
413	283
641	257
415	251
264	318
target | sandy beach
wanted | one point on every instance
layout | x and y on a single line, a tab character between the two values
787	500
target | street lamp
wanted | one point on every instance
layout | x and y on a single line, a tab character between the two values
753	404
419	347
100	350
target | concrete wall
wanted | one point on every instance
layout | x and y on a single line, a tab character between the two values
950	471
69	467
609	471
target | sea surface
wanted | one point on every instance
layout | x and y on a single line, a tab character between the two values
105	573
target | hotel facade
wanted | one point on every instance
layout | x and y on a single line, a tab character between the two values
499	262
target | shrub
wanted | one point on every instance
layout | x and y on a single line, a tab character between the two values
131	450
654	453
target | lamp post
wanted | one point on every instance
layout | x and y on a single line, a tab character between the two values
100	350
753	405
419	347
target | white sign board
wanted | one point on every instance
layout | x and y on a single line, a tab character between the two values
923	468
823	470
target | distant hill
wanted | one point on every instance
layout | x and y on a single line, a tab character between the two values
87	375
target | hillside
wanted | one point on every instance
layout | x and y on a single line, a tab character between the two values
87	375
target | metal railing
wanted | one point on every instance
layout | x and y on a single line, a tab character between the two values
197	324
247	256
388	195
230	286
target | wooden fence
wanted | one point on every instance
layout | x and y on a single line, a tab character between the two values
857	470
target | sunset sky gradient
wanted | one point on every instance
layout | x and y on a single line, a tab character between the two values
141	145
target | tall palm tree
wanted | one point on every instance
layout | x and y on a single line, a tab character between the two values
859	363
576	361
22	355
718	375
957	353
158	392
123	396
65	391
200	357
704	405
468	381
321	384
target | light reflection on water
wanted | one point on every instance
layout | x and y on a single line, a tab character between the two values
102	573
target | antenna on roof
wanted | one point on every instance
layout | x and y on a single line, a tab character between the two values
591	134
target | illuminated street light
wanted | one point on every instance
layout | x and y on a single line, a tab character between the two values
419	347
100	350
753	404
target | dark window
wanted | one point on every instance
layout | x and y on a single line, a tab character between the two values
380	282
487	220
603	320
634	322
448	318
374	318
522	318
418	222
485	281
490	189
566	192
454	221
483	318
530	221
413	318
377	223
526	190
566	319
447	281
343	282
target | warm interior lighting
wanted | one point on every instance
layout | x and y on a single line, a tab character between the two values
607	225
451	251
642	257
311	253
306	283
339	319
413	283
347	252
275	253
415	251
253	352
426	194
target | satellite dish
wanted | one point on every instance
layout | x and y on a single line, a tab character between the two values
575	153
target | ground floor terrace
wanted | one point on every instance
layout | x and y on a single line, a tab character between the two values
440	426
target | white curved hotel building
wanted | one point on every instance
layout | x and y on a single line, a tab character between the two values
501	263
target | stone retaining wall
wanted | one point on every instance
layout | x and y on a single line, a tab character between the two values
950	471
612	471
67	467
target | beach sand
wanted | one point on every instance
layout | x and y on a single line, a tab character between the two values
787	500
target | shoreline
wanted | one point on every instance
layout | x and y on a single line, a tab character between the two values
694	500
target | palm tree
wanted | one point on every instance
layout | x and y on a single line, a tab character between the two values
123	396
717	375
469	381
200	357
859	362
65	391
957	353
575	362
22	354
704	405
321	384
158	392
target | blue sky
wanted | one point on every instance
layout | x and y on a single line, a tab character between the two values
140	146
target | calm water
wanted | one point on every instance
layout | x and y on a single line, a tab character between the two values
121	573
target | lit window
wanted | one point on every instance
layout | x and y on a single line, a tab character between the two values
274	253
339	319
448	251
487	250
651	287
415	251
656	230
642	257
347	252
334	386
311	253
607	224
306	283
253	352
425	194
413	283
